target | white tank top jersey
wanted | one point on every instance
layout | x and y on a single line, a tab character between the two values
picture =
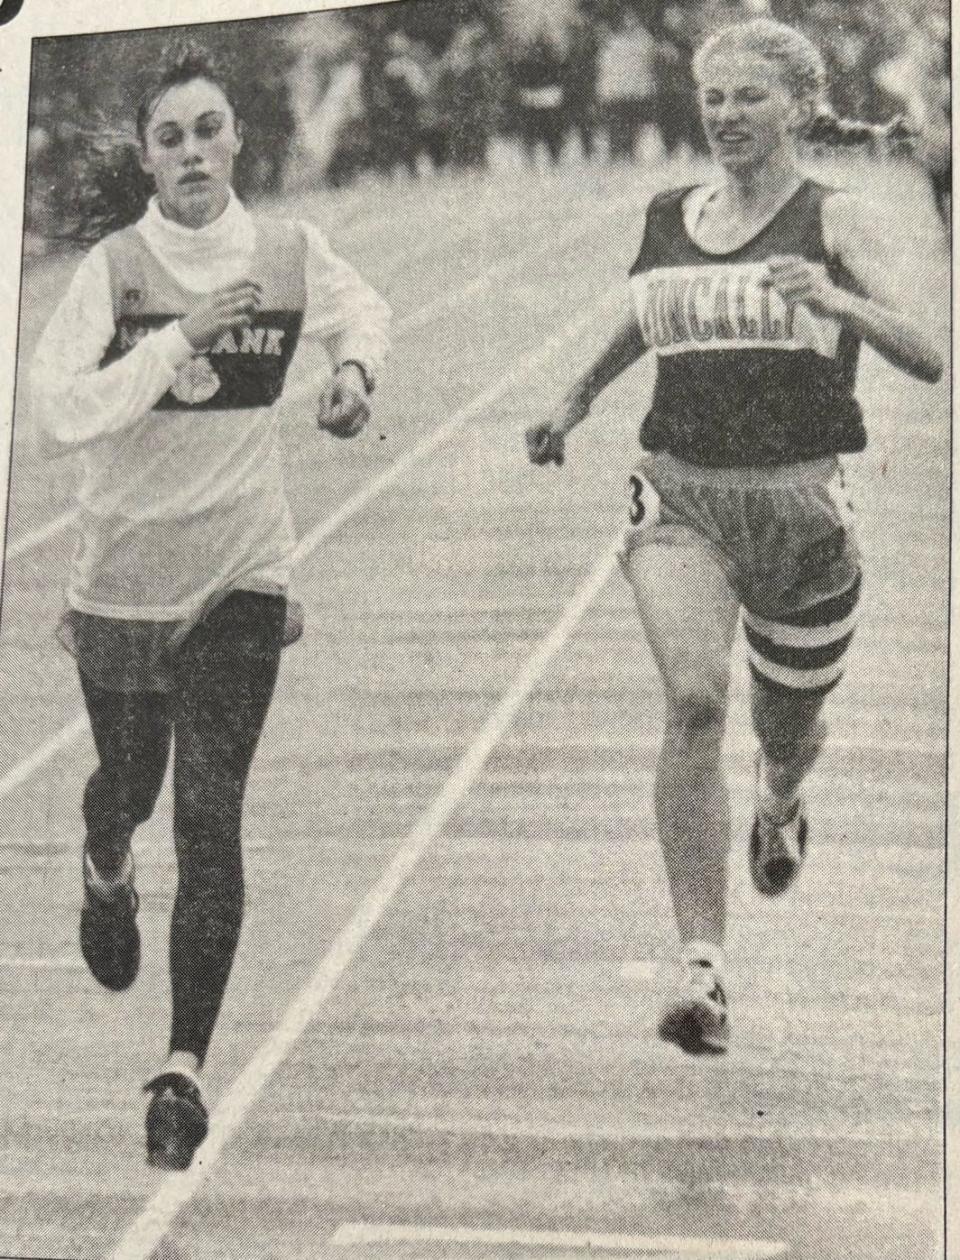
182	493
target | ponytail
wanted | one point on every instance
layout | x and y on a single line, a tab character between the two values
803	72
110	188
831	131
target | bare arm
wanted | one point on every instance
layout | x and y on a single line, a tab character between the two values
872	313
545	442
625	348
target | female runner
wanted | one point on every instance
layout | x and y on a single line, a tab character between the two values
754	294
161	368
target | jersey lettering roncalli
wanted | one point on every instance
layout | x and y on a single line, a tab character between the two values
742	378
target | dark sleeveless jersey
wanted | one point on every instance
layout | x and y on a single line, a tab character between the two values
243	369
743	379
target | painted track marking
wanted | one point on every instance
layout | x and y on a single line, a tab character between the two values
666	1247
66	736
177	1190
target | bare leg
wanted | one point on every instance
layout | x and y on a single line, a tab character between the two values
690	613
791	734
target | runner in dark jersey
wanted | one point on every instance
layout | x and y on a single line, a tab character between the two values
754	294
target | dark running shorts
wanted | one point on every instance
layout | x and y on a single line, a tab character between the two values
136	656
786	542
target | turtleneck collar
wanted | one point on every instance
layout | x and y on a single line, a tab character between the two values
206	258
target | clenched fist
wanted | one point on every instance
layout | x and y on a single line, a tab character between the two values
344	409
224	310
545	444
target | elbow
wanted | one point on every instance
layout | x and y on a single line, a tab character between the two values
929	367
934	368
55	440
55	437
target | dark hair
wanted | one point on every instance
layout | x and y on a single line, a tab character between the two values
185	62
112	189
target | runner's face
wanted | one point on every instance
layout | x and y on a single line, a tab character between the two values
748	113
190	145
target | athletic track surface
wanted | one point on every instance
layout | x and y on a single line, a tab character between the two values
437	1041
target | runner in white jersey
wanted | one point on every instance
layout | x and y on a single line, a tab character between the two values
161	369
754	294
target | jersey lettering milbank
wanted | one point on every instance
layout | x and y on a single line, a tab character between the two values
724	306
246	368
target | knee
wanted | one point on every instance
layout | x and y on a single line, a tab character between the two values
696	716
120	799
208	807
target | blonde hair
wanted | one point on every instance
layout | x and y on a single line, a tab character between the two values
804	75
798	58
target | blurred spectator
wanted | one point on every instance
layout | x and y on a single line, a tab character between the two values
538	82
850	49
467	88
627	86
340	125
327	96
715	13
581	72
396	90
918	79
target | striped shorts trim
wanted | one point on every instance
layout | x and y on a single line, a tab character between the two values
805	651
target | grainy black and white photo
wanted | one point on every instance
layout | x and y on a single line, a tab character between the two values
474	630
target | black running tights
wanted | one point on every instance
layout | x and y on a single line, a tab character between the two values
223	679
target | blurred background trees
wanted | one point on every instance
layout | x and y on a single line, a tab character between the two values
420	86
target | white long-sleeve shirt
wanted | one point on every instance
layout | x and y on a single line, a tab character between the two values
176	505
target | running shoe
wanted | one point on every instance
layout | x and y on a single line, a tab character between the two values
777	850
697	1021
177	1121
109	936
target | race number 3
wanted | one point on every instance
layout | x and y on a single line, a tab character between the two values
638	509
644	502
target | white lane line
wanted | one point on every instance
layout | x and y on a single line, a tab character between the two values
320	533
40	756
446	301
666	1247
177	1190
427	445
37	537
41	964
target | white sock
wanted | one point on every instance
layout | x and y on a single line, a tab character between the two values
106	887
183	1064
778	809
